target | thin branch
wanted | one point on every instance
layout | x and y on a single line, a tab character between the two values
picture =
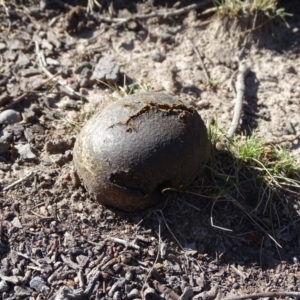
161	213
125	243
30	259
211	218
266	294
156	14
159	243
71	91
208	82
240	90
41	216
239	272
159	13
283	140
163	289
19	181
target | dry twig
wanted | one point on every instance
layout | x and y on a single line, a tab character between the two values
165	290
19	181
125	243
240	90
30	259
283	140
208	82
70	263
207	295
68	89
41	216
1	231
156	14
153	266
239	272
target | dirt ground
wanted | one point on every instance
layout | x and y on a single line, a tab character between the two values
56	242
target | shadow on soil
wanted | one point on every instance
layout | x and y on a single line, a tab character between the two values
233	217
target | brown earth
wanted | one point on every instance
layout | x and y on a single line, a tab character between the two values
56	242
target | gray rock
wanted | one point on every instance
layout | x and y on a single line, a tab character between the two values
51	61
289	128
158	57
15	44
82	260
10	116
236	286
6	135
25	151
28	115
67	293
59	145
37	283
17	130
23	60
187	294
15	271
38	129
81	66
22	291
106	69
133	294
16	222
4	287
2	46
117	295
47	45
52	38
86	73
10	55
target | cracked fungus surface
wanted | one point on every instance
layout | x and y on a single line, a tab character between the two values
135	147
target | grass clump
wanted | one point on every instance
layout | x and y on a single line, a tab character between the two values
126	90
248	172
234	8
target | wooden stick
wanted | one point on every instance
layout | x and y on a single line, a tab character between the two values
71	91
240	90
159	14
19	181
202	64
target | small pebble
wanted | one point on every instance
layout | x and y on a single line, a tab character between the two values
187	294
37	283
129	275
15	271
125	257
235	286
150	294
133	294
158	57
4	287
10	116
117	296
2	46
